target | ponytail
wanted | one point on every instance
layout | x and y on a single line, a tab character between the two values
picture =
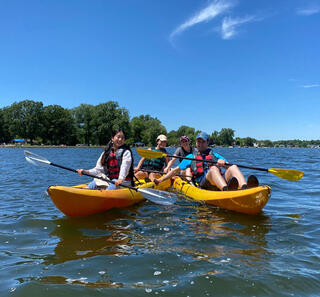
106	153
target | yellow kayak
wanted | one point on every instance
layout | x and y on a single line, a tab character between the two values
79	201
250	201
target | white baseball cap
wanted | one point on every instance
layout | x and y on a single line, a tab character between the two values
162	137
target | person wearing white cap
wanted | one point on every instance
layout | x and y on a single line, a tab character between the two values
146	167
207	173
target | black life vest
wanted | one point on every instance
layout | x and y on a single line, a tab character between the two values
114	161
198	167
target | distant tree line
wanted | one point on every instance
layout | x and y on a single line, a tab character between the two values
92	125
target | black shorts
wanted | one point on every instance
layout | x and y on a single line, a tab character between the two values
205	184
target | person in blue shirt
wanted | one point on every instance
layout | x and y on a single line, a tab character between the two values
206	169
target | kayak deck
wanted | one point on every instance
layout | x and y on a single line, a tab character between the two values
80	201
250	201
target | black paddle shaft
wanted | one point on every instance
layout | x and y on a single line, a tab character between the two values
91	175
248	167
228	164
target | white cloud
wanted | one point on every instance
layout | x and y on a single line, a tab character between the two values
308	10
214	9
229	25
311	86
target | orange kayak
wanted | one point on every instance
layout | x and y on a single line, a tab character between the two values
79	201
250	201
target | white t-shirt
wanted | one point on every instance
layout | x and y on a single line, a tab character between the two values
124	168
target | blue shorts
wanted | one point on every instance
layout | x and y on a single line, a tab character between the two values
93	186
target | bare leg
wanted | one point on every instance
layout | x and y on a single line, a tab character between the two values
215	178
141	174
235	171
188	172
153	176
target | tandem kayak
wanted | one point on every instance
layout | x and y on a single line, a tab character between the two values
79	201
250	201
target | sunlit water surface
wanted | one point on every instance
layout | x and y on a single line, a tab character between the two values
186	249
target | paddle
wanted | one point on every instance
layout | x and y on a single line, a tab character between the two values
288	174
156	196
161	172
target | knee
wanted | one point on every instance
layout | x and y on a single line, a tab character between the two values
215	170
233	168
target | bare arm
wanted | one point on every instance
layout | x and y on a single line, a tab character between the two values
139	165
170	163
170	174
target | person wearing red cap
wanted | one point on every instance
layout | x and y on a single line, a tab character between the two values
183	150
206	169
148	168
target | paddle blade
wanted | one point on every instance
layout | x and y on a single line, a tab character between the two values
149	154
35	159
31	161
288	174
158	197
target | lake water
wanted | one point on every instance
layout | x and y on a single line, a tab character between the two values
186	249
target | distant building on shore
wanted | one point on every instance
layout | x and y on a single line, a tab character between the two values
138	144
19	141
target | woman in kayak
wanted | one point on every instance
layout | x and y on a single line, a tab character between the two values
206	169
115	163
148	168
183	150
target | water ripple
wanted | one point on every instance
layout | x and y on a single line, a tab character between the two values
187	249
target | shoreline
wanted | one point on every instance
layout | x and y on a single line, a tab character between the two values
50	146
102	146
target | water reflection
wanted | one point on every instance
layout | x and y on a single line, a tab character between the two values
225	236
180	244
108	233
219	234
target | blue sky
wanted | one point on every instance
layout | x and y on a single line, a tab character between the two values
249	65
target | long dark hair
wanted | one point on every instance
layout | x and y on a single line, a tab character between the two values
109	146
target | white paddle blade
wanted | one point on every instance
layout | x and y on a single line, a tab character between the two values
158	197
31	161
35	159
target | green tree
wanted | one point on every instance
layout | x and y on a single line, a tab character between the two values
26	119
146	129
173	138
237	141
226	136
267	143
187	131
107	117
248	141
59	126
137	126
214	138
2	128
83	116
5	124
153	129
